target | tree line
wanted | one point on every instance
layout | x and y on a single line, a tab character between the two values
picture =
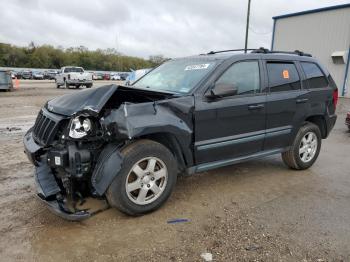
47	56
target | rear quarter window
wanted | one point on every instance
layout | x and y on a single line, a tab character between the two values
283	76
314	75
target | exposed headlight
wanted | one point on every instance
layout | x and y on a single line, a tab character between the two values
80	126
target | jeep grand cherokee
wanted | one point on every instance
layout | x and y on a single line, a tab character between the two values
127	144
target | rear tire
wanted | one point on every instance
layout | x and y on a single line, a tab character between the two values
305	148
146	179
88	85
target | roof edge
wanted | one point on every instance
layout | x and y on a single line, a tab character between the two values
328	8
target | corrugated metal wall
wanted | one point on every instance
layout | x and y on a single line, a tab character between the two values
320	34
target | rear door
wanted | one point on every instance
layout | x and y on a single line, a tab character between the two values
233	126
286	103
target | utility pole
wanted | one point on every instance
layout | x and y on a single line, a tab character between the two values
247	28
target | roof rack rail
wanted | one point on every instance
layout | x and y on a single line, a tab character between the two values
230	50
260	50
263	50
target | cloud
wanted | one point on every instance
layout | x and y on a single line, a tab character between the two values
145	27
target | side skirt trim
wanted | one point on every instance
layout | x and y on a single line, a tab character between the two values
226	162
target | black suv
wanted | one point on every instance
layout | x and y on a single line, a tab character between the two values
128	144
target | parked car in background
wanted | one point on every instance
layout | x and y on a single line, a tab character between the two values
347	120
99	76
19	75
106	76
50	75
38	75
26	74
13	75
135	75
5	80
115	77
123	76
128	144
73	76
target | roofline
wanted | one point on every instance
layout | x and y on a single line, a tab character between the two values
328	8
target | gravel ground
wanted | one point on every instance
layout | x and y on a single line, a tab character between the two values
254	211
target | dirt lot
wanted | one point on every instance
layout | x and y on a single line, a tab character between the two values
256	211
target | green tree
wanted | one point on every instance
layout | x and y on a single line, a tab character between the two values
47	56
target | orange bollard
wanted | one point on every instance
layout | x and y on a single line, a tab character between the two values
16	83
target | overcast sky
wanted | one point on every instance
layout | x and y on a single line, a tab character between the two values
145	27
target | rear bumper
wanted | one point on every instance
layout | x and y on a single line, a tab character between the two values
78	82
5	87
330	123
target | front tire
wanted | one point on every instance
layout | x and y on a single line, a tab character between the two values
305	149
146	179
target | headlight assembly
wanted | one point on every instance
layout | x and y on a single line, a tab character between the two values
80	126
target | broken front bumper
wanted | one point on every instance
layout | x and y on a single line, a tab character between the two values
46	184
48	190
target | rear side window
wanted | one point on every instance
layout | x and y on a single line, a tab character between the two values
283	77
314	75
331	82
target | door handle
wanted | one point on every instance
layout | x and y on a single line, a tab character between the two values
255	107
302	100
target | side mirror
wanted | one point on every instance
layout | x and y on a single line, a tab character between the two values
222	90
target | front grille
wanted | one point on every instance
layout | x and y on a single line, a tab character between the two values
45	128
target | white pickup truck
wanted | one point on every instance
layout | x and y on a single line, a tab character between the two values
73	76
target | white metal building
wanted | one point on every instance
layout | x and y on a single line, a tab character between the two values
325	33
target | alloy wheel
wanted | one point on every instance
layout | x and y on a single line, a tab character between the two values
146	180
308	147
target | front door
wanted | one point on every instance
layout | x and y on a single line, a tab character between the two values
232	126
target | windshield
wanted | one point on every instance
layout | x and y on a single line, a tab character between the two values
177	76
73	70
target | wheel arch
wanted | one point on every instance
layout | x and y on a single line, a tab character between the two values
320	122
171	142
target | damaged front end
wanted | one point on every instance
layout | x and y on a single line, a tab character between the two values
63	165
76	141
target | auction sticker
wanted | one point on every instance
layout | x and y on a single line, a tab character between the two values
197	67
285	74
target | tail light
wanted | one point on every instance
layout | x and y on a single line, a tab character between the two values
335	98
68	76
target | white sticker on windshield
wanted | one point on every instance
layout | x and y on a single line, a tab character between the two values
196	67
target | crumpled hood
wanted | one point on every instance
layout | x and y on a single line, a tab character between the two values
91	99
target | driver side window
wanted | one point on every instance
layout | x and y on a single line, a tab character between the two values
244	76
